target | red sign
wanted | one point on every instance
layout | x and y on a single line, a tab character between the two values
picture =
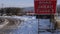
45	6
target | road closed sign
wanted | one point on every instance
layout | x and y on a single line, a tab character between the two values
45	7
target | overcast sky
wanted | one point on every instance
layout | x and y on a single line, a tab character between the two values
58	2
19	3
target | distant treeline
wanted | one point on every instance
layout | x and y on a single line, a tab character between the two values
58	8
11	11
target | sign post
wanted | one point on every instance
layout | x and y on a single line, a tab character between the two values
45	9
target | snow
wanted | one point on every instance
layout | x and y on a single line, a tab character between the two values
45	23
30	26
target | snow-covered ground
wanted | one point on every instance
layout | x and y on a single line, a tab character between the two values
30	26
